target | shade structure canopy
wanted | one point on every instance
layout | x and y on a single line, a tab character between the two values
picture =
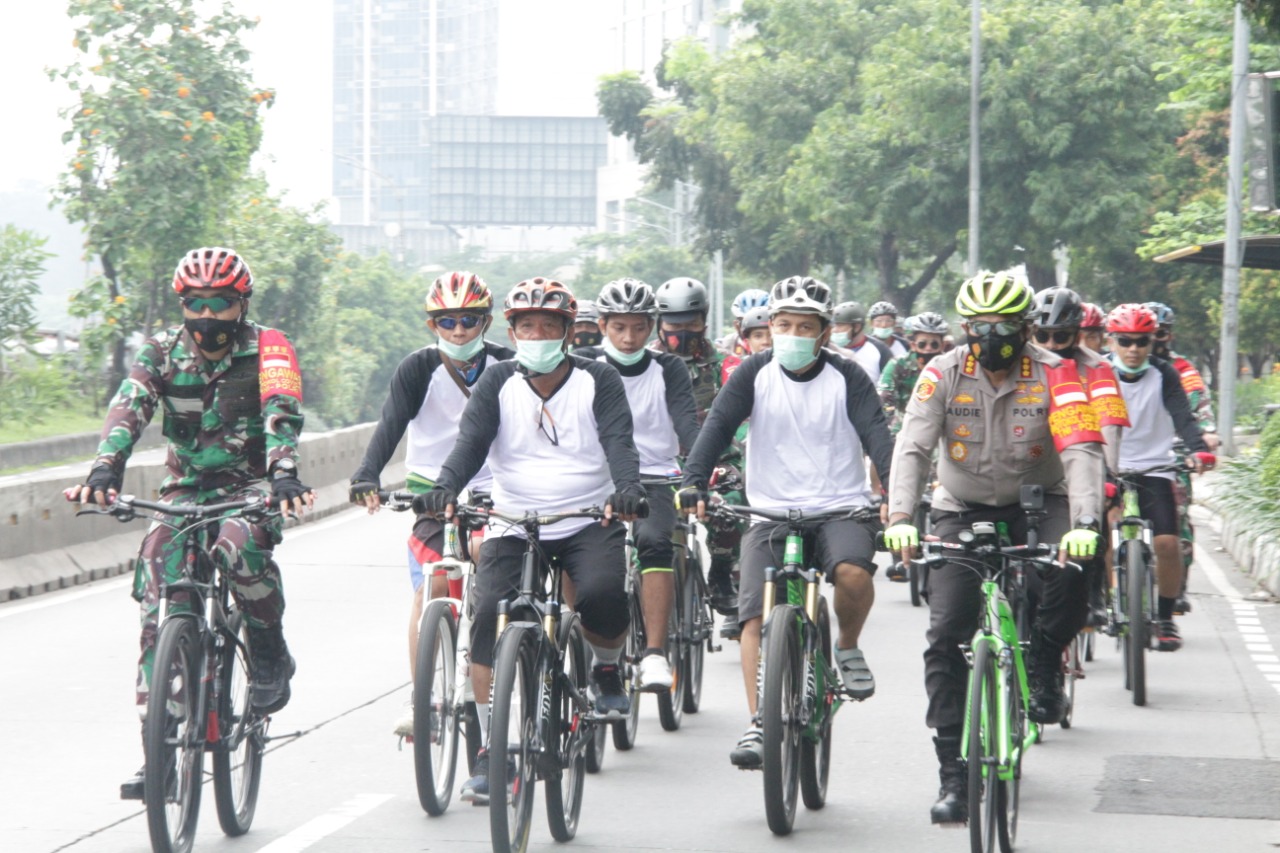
1260	253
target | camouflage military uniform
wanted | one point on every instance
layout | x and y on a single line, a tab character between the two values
223	439
895	386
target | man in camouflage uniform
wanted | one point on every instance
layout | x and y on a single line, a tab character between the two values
231	395
924	335
682	330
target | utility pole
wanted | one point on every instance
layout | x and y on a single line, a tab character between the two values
975	162
1233	248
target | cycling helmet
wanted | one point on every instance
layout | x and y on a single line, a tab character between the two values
625	296
1057	308
752	297
1131	318
882	309
213	266
801	294
682	295
849	312
756	318
459	291
1164	314
541	294
587	312
1091	316
1005	293
928	323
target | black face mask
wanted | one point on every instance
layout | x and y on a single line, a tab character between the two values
684	342
210	333
1065	352
1160	348
587	339
924	358
996	352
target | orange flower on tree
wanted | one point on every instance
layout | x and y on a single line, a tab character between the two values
86	111
206	115
183	91
144	92
186	137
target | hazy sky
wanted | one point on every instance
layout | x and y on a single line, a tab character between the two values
552	51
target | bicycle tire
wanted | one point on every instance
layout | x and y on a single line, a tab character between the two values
671	702
985	789
435	725
625	730
699	623
780	702
570	734
1070	668
1010	790
512	724
1136	645
915	572
815	755
237	753
173	740
596	747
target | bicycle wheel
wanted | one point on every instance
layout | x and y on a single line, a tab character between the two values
435	725
815	752
671	703
1136	643
237	753
1015	710
986	792
780	707
1070	672
596	747
570	733
172	738
624	730
698	625
513	720
915	572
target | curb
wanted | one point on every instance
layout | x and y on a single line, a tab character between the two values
1257	553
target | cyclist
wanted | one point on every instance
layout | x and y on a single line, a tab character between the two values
1093	328
1001	414
556	431
1056	319
682	331
924	335
586	327
813	415
231	394
427	394
1160	413
884	320
755	330
661	399
848	325
735	341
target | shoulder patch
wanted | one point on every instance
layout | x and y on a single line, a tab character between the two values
927	383
277	366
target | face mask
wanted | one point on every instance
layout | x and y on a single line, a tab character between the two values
883	332
1065	352
1161	348
995	352
625	358
587	339
539	357
210	333
684	342
794	352
926	357
462	352
841	339
1131	371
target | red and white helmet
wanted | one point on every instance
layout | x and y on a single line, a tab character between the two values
1132	319
1092	317
213	267
459	291
541	294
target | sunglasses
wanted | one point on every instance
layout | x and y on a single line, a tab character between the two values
1004	327
216	304
1126	342
1043	336
926	346
1164	335
468	321
544	417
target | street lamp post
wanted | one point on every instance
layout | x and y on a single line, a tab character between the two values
975	162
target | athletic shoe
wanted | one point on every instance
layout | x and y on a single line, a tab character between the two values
131	789
655	673
856	676
404	722
897	573
749	753
476	789
1167	637
611	697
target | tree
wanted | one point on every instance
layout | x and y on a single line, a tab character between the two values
22	258
164	126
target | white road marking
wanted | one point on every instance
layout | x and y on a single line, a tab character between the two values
327	824
1266	658
1246	616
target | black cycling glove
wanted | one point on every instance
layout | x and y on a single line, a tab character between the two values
435	502
688	497
360	489
629	504
285	489
102	478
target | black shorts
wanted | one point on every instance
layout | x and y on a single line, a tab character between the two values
827	546
653	533
1157	504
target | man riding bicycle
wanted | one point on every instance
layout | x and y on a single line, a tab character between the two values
1001	414
734	342
813	415
924	336
428	392
884	327
848	332
556	432
231	394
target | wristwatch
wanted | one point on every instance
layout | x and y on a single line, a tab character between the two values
284	468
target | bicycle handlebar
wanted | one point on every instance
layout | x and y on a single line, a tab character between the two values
125	508
795	516
936	553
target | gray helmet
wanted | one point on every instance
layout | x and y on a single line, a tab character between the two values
682	295
882	309
1057	308
801	295
1164	314
928	322
755	318
849	312
626	296
587	312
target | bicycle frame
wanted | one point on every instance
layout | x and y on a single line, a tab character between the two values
1132	530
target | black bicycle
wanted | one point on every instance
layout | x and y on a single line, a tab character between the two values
199	698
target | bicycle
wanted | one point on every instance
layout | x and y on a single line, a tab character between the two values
199	699
799	689
918	575
541	717
997	730
443	702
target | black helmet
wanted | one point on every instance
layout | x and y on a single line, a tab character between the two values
1057	308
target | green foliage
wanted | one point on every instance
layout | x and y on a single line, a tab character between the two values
22	258
37	389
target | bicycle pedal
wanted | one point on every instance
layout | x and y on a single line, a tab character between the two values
716	648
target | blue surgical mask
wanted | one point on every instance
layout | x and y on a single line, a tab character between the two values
538	357
794	352
1131	371
462	352
626	358
841	339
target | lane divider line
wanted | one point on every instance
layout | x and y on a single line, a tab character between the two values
326	824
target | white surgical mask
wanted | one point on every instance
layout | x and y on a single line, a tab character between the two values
794	352
540	357
841	339
883	332
462	352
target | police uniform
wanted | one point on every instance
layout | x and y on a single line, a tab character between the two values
1036	428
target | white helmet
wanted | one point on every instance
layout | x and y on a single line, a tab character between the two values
801	295
752	297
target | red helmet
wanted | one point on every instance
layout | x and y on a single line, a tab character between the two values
1132	318
459	291
541	294
1093	318
211	267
